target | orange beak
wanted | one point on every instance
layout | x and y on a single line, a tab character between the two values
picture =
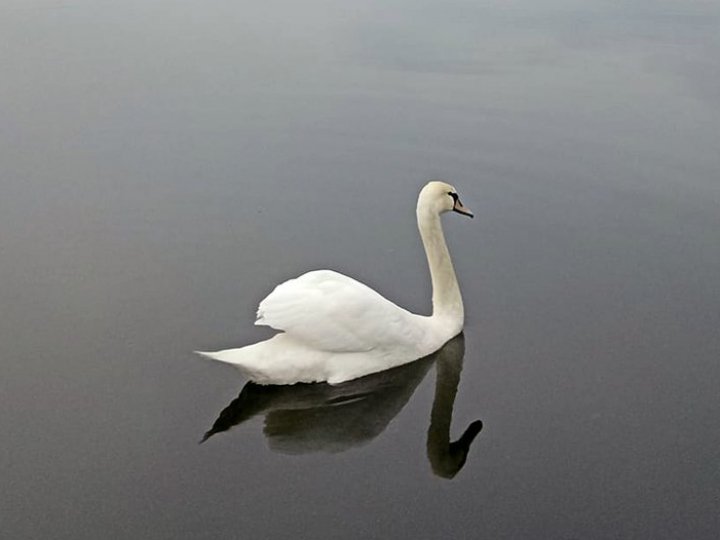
460	209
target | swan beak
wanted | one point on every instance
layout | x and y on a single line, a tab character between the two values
460	209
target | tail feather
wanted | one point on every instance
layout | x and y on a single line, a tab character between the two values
216	355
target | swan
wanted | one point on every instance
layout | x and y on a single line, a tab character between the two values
334	329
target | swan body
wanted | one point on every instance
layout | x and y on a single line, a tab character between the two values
334	328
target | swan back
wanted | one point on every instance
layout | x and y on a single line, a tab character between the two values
332	312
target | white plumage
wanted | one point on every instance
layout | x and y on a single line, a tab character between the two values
333	312
335	328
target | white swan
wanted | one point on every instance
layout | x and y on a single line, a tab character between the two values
336	329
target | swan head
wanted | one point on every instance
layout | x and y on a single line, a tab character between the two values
440	197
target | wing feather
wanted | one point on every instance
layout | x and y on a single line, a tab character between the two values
333	312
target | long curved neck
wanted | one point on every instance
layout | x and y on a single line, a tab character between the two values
446	299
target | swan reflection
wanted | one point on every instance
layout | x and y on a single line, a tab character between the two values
447	458
305	418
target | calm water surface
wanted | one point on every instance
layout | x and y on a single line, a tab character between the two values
164	164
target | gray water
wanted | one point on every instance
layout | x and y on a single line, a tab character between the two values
164	164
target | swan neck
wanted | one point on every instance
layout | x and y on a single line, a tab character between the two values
446	299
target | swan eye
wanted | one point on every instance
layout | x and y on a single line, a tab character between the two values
453	195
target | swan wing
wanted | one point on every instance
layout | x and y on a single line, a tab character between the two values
333	312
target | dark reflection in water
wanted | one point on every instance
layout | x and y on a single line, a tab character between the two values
306	418
447	458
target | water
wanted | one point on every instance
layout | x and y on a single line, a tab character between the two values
165	164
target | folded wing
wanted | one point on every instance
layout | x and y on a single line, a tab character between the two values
332	312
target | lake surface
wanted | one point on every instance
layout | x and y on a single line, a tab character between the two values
165	164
